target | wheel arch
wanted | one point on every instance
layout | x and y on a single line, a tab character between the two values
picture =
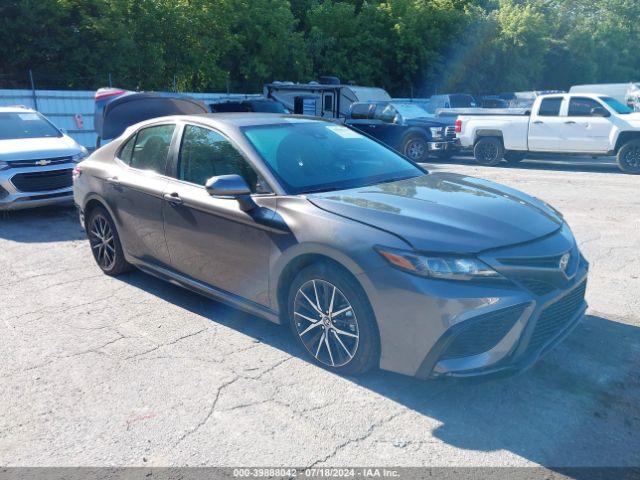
415	132
484	133
624	137
295	264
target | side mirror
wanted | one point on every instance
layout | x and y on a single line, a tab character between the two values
600	112
231	186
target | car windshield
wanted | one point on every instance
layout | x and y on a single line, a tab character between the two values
616	105
311	156
16	125
411	110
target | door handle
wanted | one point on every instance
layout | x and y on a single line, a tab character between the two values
538	122
173	198
115	183
569	122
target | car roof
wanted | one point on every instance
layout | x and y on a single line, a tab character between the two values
237	119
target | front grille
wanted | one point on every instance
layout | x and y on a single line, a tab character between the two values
42	181
555	317
37	162
450	133
483	332
536	286
535	262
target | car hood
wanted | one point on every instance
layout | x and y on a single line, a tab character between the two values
445	212
35	148
431	122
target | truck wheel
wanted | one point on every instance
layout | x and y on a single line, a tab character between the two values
416	148
488	151
629	157
514	156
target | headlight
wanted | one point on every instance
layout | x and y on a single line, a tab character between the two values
3	165
441	267
78	157
437	132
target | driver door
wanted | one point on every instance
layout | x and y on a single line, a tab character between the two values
582	131
211	239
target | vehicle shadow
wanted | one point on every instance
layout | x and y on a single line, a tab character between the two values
44	224
579	406
549	163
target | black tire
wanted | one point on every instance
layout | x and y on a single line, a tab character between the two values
105	242
488	151
416	148
514	156
340	353
629	157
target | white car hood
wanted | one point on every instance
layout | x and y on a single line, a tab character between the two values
633	119
36	148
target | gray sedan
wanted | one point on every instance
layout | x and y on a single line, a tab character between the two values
370	259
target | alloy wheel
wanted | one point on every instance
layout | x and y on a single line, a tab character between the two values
631	157
415	149
326	323
487	152
102	242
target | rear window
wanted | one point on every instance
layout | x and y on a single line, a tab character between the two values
15	125
462	101
550	107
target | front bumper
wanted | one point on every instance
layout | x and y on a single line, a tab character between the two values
434	328
14	198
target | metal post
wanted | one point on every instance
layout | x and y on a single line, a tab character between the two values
174	84
110	85
33	90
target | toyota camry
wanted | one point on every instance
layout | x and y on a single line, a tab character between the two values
370	259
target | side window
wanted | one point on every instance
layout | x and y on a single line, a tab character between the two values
550	107
360	111
151	148
127	150
581	107
386	114
205	153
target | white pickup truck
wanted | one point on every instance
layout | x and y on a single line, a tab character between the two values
588	124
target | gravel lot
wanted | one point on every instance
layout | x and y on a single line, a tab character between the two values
133	371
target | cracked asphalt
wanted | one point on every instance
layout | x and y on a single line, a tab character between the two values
132	371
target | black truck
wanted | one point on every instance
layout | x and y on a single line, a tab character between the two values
405	127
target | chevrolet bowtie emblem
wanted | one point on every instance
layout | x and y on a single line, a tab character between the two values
43	162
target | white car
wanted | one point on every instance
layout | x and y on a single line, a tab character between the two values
590	124
36	160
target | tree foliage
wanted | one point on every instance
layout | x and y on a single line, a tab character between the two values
410	47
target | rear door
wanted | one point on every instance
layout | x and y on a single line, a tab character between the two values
583	131
545	126
211	239
135	192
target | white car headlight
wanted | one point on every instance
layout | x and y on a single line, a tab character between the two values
440	267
